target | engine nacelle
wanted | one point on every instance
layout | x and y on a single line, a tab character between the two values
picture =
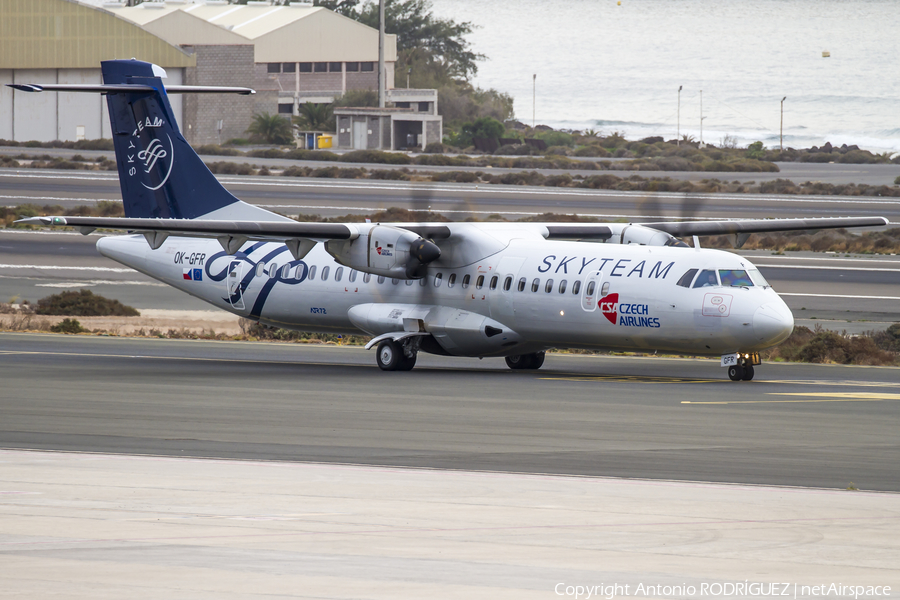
384	250
645	236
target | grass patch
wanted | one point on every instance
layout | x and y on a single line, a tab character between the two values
83	303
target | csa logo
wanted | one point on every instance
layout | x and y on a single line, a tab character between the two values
625	314
608	306
383	251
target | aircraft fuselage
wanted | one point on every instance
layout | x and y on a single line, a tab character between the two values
538	295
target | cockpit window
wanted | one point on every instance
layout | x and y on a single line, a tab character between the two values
687	278
734	278
706	279
757	278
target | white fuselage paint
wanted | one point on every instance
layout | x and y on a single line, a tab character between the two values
642	309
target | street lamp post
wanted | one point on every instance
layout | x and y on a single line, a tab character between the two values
781	132
701	119
533	99
408	72
678	127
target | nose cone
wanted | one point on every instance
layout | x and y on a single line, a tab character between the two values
425	251
773	323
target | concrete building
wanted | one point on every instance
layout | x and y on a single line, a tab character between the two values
412	123
303	53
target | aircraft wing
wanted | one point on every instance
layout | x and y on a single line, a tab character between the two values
748	226
251	230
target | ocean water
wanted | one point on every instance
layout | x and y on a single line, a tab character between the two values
617	66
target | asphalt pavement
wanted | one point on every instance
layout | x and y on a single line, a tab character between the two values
795	425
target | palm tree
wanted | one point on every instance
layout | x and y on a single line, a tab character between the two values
315	117
270	129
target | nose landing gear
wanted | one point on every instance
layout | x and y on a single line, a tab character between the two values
743	369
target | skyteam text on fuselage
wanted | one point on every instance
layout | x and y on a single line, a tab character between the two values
510	290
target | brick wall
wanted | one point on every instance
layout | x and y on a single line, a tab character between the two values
219	65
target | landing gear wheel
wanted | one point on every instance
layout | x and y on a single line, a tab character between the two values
735	372
518	361
748	373
389	355
407	362
525	361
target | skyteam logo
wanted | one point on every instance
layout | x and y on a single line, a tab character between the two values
625	314
156	156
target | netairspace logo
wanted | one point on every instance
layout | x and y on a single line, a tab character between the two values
723	590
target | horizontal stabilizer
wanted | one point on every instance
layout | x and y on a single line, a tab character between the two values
107	88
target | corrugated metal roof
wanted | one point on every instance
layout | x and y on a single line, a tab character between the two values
280	33
248	21
63	34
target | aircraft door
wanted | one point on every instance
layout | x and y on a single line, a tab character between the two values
590	291
502	298
235	293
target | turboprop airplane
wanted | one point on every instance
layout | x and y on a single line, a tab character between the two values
511	290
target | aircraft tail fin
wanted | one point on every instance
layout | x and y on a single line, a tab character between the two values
160	174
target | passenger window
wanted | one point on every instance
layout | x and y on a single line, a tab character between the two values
494	281
437	279
298	272
339	273
549	287
285	271
312	272
536	284
507	283
687	278
367	278
394	281
466	279
260	268
479	282
562	286
325	273
451	281
604	289
409	282
591	288
734	278
381	279
706	279
576	287
423	282
352	276
522	283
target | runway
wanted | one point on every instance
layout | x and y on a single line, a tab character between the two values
795	425
338	197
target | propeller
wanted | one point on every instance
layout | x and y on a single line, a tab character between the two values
421	253
687	208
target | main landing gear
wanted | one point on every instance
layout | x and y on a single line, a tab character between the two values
525	361
743	370
396	356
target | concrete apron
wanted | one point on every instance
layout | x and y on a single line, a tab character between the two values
115	526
